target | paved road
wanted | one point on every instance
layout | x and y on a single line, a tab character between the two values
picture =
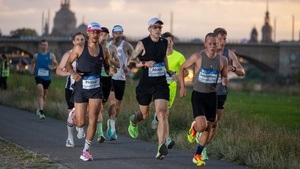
48	137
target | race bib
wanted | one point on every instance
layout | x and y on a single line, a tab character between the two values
157	70
43	72
90	82
208	76
170	79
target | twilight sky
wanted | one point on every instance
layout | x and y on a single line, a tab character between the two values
192	18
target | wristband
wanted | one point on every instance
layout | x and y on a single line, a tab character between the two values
234	69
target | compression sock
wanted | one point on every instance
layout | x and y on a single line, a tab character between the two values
99	129
200	149
87	145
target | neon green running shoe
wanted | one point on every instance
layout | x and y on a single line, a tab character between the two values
132	130
42	116
192	133
198	161
204	154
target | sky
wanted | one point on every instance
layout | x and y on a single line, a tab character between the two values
191	18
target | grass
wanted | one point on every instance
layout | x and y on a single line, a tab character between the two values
13	156
260	130
277	110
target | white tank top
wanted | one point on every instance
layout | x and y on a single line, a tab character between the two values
69	80
120	75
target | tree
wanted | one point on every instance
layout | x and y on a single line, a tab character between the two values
23	32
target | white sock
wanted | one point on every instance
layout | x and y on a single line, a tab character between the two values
70	131
87	145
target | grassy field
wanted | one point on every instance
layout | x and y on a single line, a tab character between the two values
260	130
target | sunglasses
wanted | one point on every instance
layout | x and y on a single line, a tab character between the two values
95	31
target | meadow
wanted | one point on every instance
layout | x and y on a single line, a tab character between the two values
258	129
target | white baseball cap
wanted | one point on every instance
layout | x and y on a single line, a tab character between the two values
117	28
153	21
94	26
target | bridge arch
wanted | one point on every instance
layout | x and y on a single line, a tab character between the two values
260	65
16	51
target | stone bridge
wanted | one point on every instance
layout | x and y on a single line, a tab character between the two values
275	59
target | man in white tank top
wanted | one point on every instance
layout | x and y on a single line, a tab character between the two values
106	80
61	70
125	50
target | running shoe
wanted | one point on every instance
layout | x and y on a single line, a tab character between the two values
161	152
86	156
70	118
81	133
169	143
133	130
111	131
204	154
192	133
38	112
42	116
101	139
154	123
198	160
113	137
69	142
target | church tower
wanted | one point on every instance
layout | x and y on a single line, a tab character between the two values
267	29
64	20
253	36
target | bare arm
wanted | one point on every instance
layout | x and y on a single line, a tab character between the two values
61	69
128	50
33	64
114	56
133	61
106	63
54	62
236	67
188	63
76	52
224	70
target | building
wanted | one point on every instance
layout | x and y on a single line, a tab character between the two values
267	29
64	21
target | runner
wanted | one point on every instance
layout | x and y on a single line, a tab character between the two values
78	38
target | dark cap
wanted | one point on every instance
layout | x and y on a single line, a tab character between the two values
104	29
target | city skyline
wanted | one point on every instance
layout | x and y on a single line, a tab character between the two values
191	19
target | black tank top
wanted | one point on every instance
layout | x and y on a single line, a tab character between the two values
155	51
88	64
91	67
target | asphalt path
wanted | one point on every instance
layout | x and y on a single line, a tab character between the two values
48	137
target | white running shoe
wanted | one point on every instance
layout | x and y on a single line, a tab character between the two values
70	142
81	133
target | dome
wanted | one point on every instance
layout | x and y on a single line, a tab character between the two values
81	28
64	21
